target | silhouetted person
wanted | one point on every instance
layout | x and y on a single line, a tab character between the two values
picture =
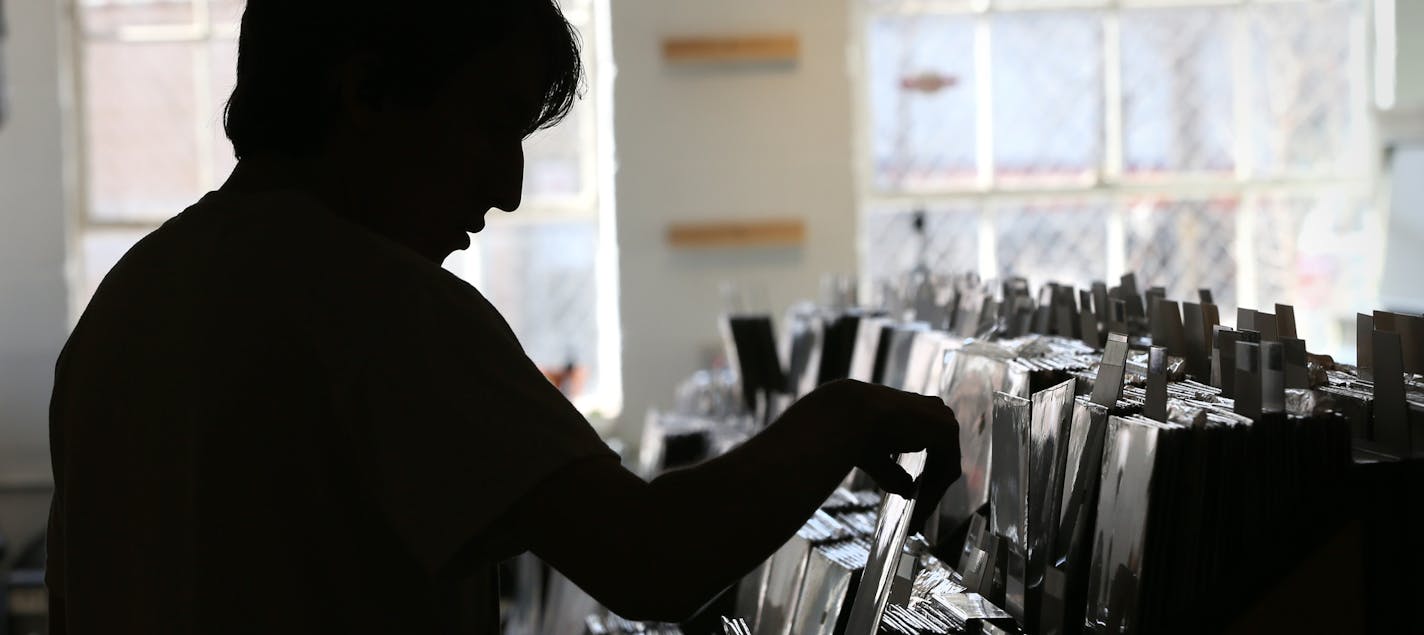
280	415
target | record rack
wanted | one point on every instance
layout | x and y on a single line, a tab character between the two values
1130	465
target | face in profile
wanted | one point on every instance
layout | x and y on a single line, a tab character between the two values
434	170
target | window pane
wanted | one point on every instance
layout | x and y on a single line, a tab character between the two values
1303	112
553	158
223	62
1183	246
921	82
226	13
893	249
1313	249
541	276
575	5
1177	92
1048	102
110	16
141	126
1278	227
1050	241
556	159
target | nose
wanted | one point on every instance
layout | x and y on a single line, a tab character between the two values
509	181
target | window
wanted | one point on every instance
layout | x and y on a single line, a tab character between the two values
153	78
1199	143
549	267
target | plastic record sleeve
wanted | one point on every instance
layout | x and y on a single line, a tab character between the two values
890	533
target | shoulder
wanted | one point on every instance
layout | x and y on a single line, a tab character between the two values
281	260
289	240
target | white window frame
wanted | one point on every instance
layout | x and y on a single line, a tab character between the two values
1109	186
201	30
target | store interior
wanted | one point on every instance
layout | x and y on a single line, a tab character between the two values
799	163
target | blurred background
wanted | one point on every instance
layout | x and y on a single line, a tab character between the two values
1270	150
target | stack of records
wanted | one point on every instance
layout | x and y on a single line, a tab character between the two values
1030	452
940	603
1197	513
786	576
971	378
1129	464
889	569
1158	506
806	585
1384	395
841	570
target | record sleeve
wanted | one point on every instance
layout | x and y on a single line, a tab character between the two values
976	374
891	530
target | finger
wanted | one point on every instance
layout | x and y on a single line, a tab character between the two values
941	470
889	475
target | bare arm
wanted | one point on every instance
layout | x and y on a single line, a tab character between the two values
661	550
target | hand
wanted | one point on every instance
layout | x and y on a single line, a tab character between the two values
880	422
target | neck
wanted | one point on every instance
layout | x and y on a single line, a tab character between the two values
274	172
328	184
311	176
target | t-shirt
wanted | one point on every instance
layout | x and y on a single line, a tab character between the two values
271	420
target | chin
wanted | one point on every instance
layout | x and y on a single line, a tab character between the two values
440	250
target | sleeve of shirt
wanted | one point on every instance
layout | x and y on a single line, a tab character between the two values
459	424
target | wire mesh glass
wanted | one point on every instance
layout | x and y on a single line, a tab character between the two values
1177	114
1053	241
952	241
921	85
1183	245
1304	114
1220	102
1047	95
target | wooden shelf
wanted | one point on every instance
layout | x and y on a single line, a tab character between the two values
761	233
775	48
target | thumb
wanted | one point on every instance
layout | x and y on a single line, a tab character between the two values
889	476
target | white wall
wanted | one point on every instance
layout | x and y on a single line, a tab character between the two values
717	143
34	313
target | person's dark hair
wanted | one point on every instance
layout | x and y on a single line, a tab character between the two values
290	53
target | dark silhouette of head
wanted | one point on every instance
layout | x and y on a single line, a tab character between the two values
407	117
